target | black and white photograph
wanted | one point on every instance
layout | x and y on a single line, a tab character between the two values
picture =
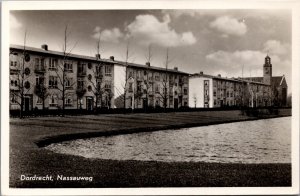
137	95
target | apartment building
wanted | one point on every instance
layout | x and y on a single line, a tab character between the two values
44	79
148	86
215	91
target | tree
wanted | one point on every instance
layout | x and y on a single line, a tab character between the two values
20	78
147	83
98	89
63	68
122	89
164	94
42	92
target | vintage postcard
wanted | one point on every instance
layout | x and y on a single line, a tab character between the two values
150	97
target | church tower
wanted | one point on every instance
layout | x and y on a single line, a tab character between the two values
267	70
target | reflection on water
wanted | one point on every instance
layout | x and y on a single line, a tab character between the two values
261	141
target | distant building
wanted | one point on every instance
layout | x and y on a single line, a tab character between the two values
40	76
216	91
148	86
278	84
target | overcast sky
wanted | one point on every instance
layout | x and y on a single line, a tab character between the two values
212	41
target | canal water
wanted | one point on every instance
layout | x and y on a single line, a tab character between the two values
260	141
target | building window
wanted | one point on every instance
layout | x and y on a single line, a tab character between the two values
13	98
42	63
81	70
14	83
139	75
206	92
130	89
185	91
107	70
68	82
39	64
157	88
157	78
39	100
68	66
215	93
69	100
150	76
80	84
39	80
53	63
53	100
13	63
98	70
52	82
107	86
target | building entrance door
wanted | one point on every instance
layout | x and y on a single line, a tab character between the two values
89	103
26	103
221	103
175	103
145	103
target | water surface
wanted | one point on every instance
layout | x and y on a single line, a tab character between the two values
261	141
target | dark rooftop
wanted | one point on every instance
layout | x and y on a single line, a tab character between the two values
122	63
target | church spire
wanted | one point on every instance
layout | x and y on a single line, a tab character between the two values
267	69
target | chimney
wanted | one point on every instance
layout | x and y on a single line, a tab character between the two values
201	72
45	46
112	58
98	56
219	75
176	68
148	64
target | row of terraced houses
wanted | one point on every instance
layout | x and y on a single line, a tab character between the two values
46	79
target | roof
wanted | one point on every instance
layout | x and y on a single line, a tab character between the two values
227	79
56	53
149	67
90	58
276	80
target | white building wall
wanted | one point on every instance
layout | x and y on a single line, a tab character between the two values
119	81
196	91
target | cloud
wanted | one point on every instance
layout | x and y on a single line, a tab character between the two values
229	26
237	58
147	29
108	35
252	61
14	23
276	47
